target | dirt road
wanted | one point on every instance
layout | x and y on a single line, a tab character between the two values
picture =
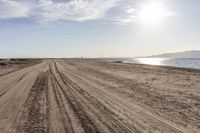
76	96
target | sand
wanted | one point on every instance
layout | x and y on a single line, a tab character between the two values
88	96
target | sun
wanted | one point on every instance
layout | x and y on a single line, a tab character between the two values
153	12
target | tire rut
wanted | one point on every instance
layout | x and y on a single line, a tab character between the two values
34	113
18	81
65	118
110	120
66	79
87	124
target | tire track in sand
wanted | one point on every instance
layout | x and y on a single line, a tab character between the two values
34	113
147	115
86	123
106	116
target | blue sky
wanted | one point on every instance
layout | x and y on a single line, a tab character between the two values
97	28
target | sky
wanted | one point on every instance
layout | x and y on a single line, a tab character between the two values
97	28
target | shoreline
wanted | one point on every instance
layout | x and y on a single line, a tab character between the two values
167	66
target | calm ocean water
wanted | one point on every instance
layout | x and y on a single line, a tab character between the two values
185	63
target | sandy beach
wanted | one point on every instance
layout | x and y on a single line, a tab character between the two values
90	96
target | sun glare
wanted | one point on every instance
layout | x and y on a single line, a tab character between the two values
153	12
151	61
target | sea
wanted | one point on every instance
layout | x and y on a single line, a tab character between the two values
193	63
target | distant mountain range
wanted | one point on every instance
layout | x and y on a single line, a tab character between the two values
186	54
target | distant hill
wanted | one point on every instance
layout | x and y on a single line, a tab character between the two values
186	54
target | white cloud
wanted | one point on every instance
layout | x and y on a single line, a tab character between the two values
128	16
45	11
12	9
77	10
50	10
